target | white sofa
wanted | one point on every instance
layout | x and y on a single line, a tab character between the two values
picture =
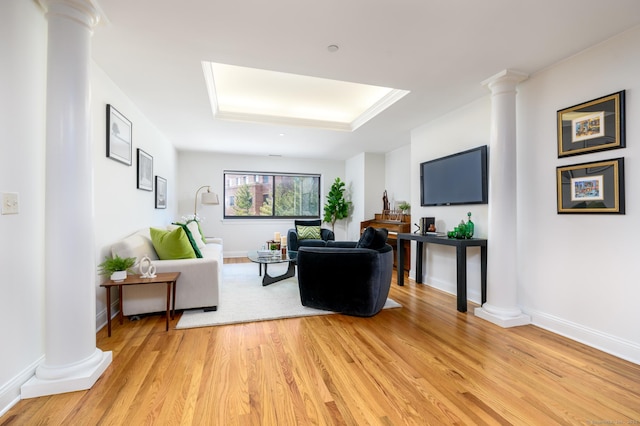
197	286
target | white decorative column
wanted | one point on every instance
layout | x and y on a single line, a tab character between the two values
71	362
501	306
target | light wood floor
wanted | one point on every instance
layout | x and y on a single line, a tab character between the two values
424	363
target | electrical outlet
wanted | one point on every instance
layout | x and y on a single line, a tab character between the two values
10	203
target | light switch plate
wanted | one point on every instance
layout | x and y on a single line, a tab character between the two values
10	203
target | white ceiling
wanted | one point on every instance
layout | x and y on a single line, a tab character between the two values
439	50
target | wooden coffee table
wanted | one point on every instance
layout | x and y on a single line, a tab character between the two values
170	278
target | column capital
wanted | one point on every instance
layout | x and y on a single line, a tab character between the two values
506	79
85	12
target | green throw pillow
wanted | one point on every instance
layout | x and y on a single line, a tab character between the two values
171	244
308	232
192	239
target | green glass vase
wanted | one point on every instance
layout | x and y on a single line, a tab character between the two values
470	226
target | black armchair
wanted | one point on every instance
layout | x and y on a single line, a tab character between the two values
293	240
347	277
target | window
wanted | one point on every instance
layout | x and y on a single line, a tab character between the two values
274	195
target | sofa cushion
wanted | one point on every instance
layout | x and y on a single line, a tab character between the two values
366	238
308	232
312	243
136	245
172	244
373	238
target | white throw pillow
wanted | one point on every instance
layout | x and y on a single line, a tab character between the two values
195	232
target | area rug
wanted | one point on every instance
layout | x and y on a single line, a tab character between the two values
244	299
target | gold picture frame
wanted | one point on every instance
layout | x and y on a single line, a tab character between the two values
596	187
591	126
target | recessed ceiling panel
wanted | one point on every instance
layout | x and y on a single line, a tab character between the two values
255	95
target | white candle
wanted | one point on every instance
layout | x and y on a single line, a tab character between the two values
283	241
276	236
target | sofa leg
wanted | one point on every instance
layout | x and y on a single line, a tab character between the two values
211	308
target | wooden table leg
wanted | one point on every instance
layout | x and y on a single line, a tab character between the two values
168	303
108	311
120	315
173	311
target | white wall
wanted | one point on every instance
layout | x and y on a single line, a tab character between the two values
398	176
465	128
23	51
121	208
355	171
374	185
578	273
241	235
366	174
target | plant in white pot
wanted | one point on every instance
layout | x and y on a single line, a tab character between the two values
404	207
116	267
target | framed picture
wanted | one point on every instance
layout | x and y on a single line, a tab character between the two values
596	187
596	125
118	136
145	171
161	193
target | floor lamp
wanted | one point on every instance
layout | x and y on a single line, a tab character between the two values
207	198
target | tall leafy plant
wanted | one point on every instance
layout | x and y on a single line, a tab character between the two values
336	207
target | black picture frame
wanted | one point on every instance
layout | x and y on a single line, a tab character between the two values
145	171
596	125
595	187
161	193
119	136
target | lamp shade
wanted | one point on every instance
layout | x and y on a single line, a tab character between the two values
207	198
210	198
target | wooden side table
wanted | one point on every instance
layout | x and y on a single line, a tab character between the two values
170	278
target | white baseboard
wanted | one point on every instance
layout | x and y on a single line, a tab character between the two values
101	317
621	348
472	295
10	392
229	254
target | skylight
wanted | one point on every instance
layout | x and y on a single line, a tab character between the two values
260	96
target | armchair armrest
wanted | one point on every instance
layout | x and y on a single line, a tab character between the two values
292	240
327	234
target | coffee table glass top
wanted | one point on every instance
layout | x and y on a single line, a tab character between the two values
263	257
266	259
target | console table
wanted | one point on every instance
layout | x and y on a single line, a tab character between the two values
461	261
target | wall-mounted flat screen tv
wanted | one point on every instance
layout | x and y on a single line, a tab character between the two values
459	178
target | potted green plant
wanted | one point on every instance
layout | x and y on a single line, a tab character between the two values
336	207
404	207
116	267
